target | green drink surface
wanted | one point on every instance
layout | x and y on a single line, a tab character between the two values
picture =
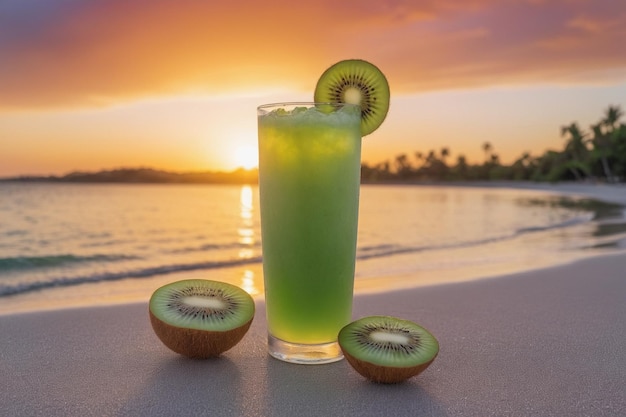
309	171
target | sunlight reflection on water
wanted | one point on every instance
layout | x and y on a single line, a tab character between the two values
247	238
74	244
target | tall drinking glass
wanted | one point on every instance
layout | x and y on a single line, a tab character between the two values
309	176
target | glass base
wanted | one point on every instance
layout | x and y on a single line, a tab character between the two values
304	354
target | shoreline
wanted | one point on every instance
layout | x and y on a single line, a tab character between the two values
609	193
597	190
389	277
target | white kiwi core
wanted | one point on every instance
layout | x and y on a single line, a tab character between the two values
204	302
352	96
390	337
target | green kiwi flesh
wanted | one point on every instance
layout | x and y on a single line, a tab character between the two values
355	81
387	349
200	318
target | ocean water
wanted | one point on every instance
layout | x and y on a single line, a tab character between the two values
64	245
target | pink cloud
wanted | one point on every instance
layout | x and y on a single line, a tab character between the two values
85	53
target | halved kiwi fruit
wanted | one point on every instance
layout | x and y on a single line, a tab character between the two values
200	318
387	349
355	81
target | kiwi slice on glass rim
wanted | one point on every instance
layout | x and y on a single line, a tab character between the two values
359	82
200	318
387	349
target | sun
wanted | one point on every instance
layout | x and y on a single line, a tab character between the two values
247	156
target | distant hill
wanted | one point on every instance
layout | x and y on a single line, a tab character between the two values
148	175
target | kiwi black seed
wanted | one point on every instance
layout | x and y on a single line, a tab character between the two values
200	318
387	349
355	81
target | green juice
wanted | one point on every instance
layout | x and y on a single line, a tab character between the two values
309	176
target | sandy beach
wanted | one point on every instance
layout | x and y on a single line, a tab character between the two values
611	193
546	342
543	343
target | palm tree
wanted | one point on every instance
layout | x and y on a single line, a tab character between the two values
419	156
383	170
611	116
461	167
445	152
576	149
403	166
432	156
525	158
434	168
487	148
618	141
521	166
443	166
602	148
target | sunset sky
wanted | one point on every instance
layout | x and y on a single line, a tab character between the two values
102	84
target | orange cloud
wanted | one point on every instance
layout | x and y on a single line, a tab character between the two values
77	53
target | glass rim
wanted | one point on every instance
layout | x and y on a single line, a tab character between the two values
264	107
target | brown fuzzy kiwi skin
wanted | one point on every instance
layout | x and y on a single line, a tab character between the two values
385	374
197	344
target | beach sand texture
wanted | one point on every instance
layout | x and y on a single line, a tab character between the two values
549	342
